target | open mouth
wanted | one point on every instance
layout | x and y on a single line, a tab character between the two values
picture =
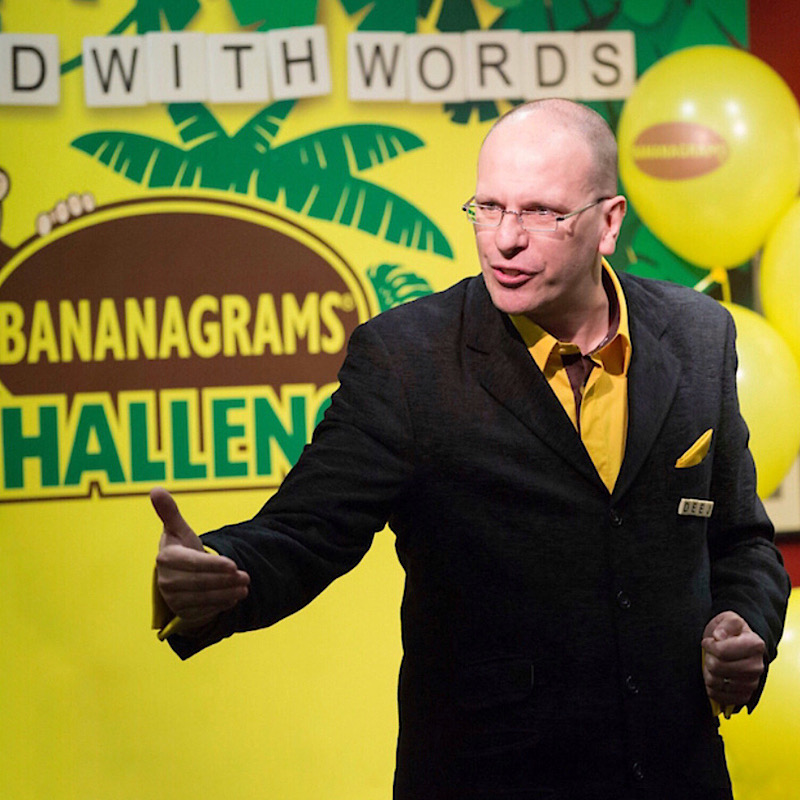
510	275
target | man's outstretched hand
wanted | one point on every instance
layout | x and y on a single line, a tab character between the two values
734	659
196	585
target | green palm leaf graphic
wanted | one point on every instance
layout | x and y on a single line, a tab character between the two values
268	15
195	123
385	15
394	286
261	129
380	15
147	16
314	175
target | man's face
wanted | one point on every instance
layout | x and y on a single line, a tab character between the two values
528	164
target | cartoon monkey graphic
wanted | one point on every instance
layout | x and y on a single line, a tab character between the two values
75	205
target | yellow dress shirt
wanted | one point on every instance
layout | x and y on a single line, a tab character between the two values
602	419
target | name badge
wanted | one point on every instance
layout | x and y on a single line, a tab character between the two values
690	507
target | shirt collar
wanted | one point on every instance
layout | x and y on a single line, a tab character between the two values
614	354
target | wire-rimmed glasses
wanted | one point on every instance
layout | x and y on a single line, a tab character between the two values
488	215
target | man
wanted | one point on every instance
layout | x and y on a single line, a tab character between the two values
560	454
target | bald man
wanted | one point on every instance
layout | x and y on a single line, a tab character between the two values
590	576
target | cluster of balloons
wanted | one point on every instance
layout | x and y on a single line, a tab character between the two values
710	157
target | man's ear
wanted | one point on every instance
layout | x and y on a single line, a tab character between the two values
613	213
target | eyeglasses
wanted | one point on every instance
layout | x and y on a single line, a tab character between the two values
534	220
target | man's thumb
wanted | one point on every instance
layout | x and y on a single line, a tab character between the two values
175	526
729	625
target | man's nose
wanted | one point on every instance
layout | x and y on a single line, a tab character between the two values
510	236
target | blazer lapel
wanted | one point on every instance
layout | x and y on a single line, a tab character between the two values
652	379
504	367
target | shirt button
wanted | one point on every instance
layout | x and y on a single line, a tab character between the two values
623	601
615	518
631	685
638	772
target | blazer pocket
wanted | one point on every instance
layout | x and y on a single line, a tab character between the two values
697	452
685	483
495	717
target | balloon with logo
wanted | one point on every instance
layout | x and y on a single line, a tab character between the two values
768	382
780	278
710	152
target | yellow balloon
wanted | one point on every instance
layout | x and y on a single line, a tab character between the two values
768	382
780	278
710	152
762	748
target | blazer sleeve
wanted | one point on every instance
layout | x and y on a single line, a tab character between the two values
747	573
322	520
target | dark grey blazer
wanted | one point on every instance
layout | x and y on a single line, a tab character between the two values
551	630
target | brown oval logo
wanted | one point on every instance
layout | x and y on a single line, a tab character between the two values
169	293
679	150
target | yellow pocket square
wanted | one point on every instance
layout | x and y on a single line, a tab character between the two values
697	452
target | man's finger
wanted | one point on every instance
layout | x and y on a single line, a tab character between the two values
178	558
179	564
208	604
748	646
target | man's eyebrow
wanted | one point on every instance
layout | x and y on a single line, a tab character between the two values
489	200
532	205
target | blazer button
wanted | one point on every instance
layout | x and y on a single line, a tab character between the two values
638	772
623	601
631	685
615	518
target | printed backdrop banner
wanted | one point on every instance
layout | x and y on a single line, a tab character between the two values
178	281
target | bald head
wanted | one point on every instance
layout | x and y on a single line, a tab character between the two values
578	120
